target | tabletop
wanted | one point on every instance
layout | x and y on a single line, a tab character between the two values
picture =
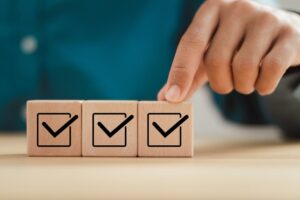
245	167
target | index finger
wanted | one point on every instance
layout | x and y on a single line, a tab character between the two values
190	51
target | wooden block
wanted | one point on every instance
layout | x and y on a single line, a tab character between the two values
109	128
54	128
165	129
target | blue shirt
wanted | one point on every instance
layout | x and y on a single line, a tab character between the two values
87	50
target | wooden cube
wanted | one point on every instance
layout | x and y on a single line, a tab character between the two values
165	129
54	128
109	128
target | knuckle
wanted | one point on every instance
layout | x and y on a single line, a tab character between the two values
216	1
241	65
263	89
289	46
273	65
213	61
212	2
180	72
180	69
241	6
290	30
244	90
243	69
266	17
194	37
221	88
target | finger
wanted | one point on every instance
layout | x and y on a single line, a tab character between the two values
258	40
199	80
190	52
274	65
219	55
161	94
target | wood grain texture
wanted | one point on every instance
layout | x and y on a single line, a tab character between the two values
54	128
109	128
247	166
165	129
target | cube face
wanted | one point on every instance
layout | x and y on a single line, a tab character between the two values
54	128
46	138
109	121
109	128
165	129
155	138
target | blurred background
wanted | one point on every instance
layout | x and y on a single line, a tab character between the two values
62	46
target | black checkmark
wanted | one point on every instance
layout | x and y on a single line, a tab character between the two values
61	129
114	131
170	130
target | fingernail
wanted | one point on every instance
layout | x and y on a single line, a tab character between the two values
173	94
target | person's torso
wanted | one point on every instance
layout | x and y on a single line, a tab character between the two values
86	49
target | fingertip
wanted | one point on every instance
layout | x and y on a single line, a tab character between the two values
173	94
161	94
160	97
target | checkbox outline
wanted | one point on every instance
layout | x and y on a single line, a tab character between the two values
70	131
93	130
148	132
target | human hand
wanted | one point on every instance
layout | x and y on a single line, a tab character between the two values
234	45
